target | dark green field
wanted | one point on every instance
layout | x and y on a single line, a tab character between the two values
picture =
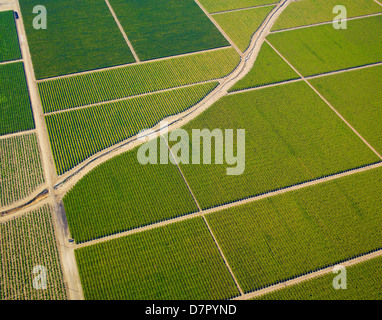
161	28
80	36
9	42
16	111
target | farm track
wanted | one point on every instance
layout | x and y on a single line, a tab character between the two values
327	22
378	2
309	276
16	134
12	61
242	9
326	101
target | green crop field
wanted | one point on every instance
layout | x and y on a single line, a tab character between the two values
20	168
291	136
131	195
269	68
357	95
26	242
322	48
122	82
279	238
241	25
76	135
178	261
223	5
80	36
301	13
9	42
162	28
16	111
364	282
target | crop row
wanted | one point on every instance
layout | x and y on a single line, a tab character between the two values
9	42
101	86
78	134
20	168
26	242
16	111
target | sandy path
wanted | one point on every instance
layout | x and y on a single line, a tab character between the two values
309	276
378	2
16	134
247	8
231	205
326	101
67	259
327	22
12	61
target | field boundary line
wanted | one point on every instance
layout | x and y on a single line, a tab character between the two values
204	218
326	101
67	260
123	32
131	64
16	134
326	74
219	28
11	61
326	22
130	97
310	276
378	2
246	8
232	204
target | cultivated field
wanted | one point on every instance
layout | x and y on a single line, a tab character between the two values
302	13
90	88
241	25
81	35
322	48
162	28
223	5
20	168
26	242
76	135
269	68
179	261
291	136
16	112
9	43
363	283
282	237
357	95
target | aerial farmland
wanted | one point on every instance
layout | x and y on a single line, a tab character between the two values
203	150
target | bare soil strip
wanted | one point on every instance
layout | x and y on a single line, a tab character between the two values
247	8
131	97
326	22
16	134
130	64
219	28
309	276
12	61
231	205
378	2
67	259
327	102
309	77
123	32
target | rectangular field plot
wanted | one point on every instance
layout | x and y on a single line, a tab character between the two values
178	261
364	282
26	242
302	13
322	48
291	136
85	89
78	134
162	28
241	25
223	5
269	68
357	96
20	168
282	237
9	41
131	195
16	110
80	36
